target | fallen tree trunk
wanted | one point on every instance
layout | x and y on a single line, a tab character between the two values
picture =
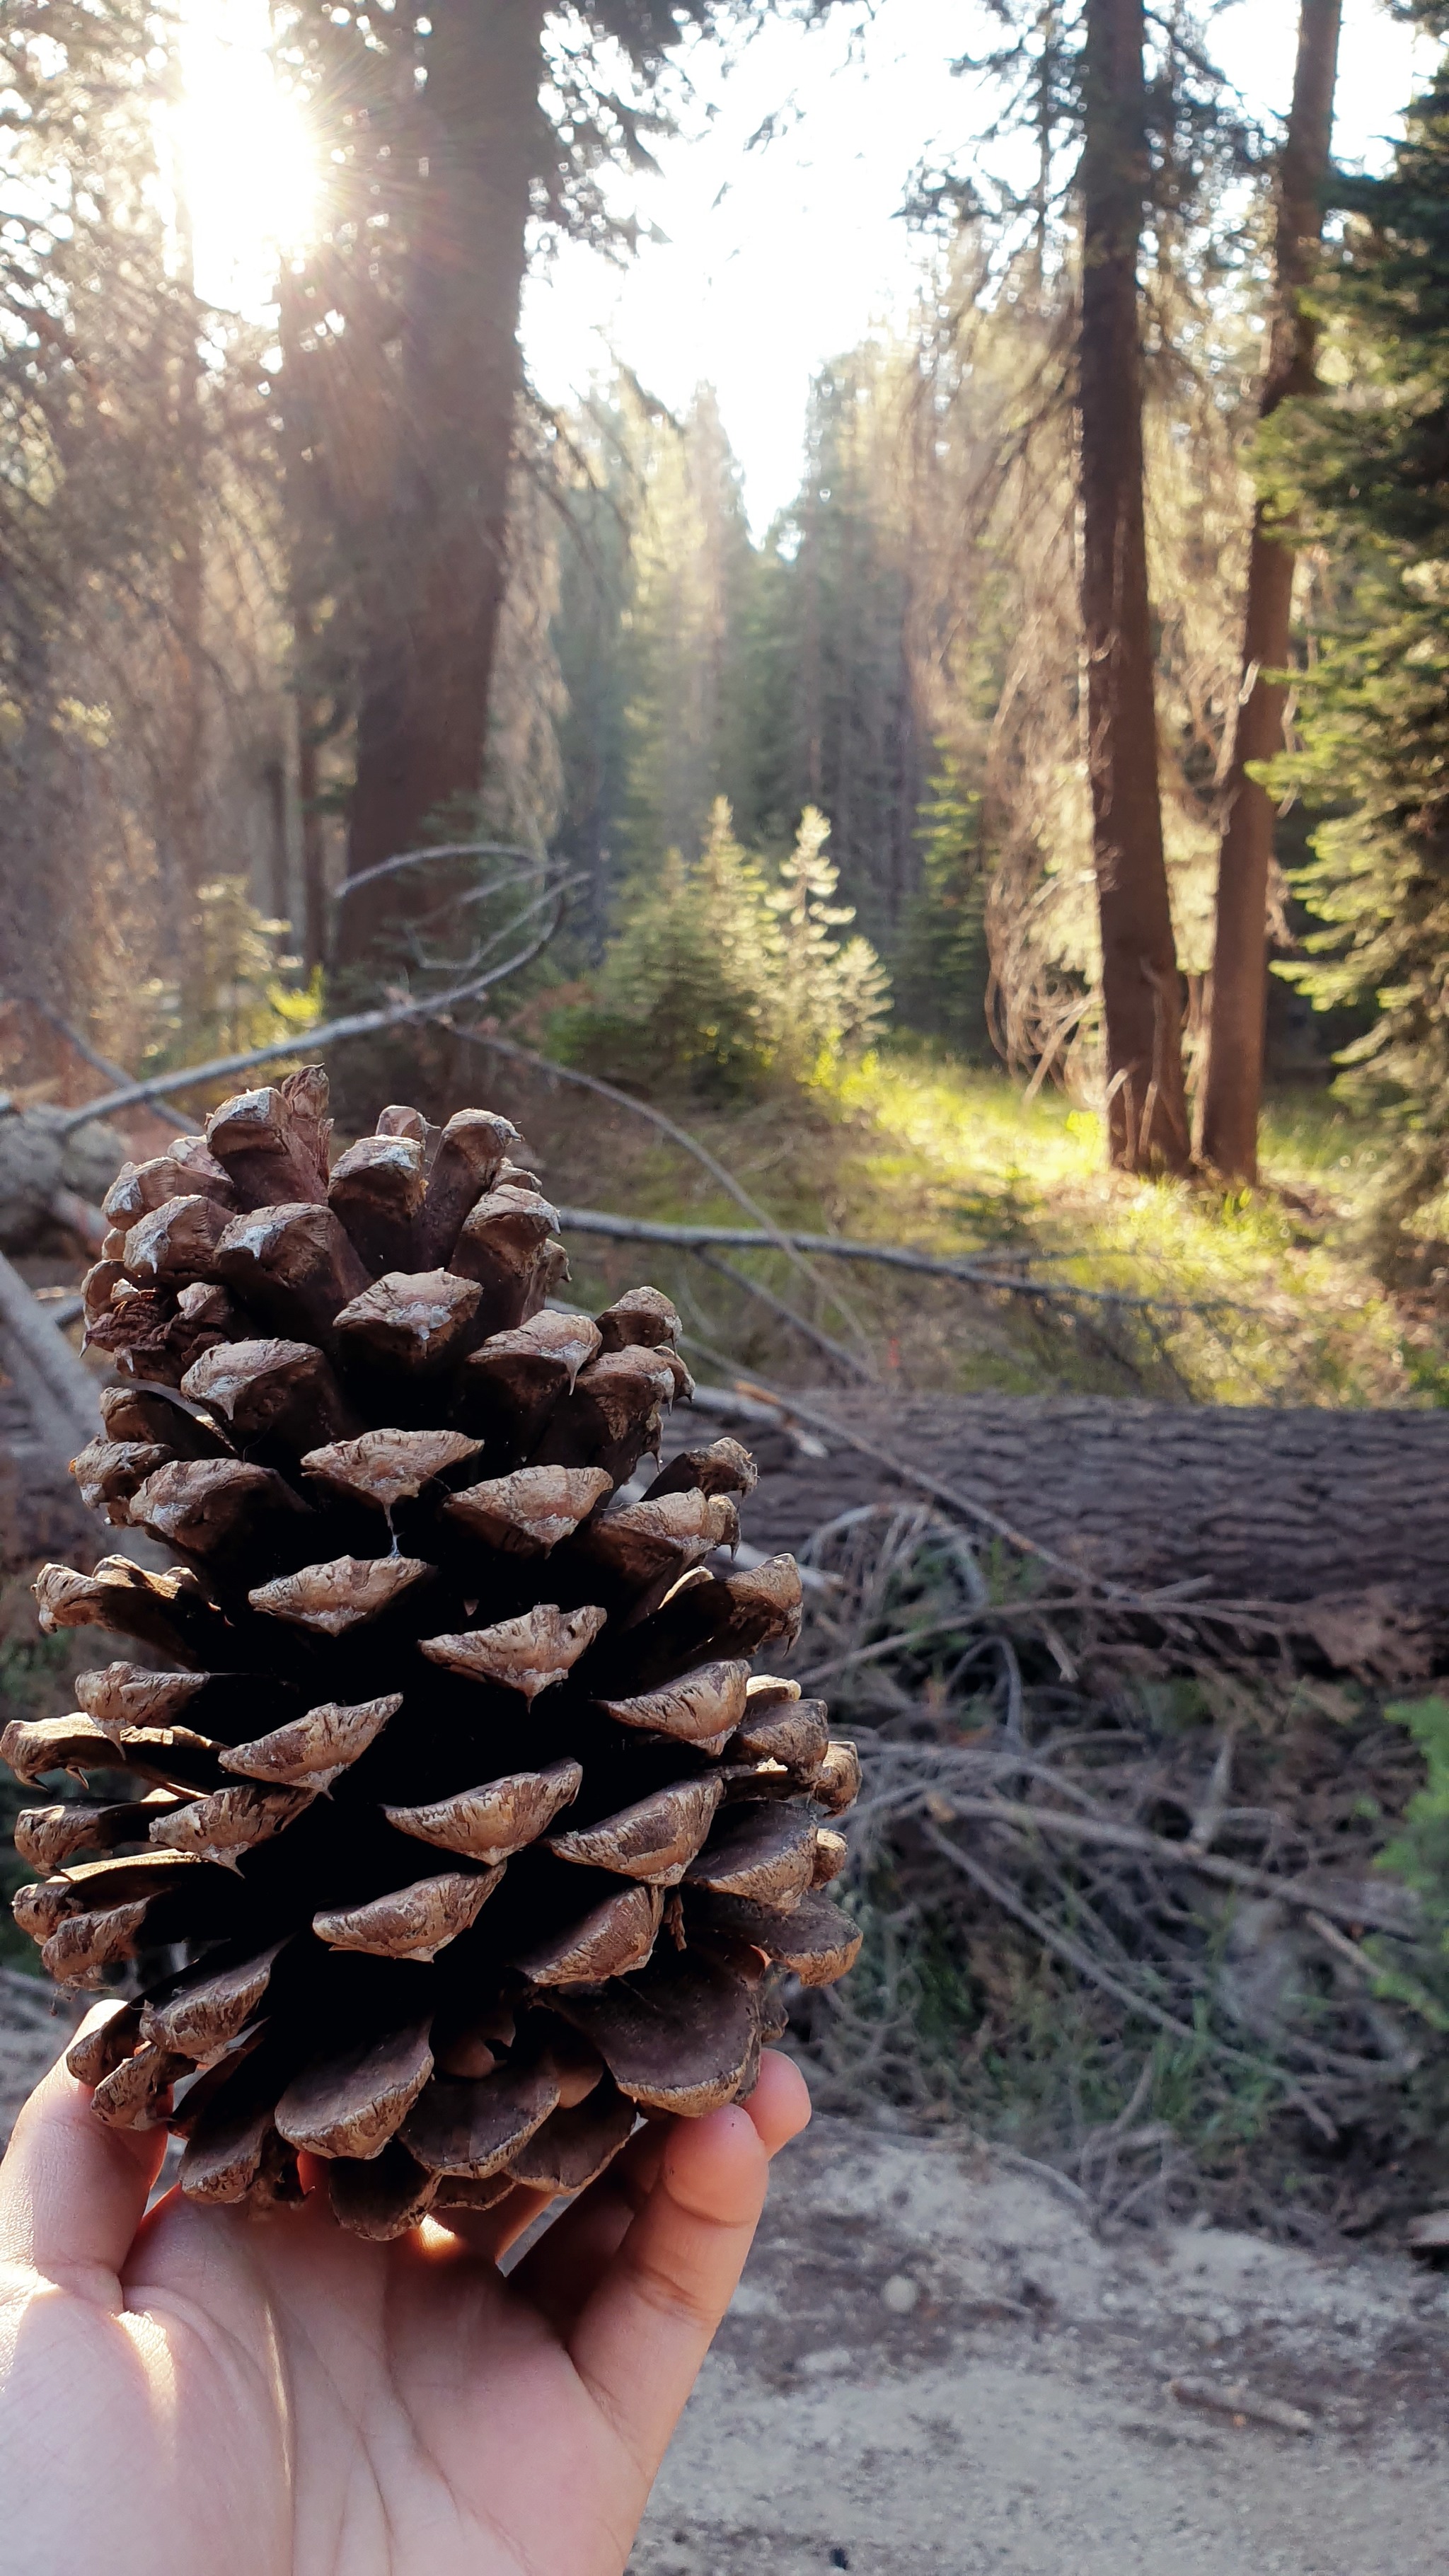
1245	1503
49	1408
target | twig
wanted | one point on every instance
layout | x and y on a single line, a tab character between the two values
786	1314
1230	2397
678	1135
1072	1954
891	1256
360	1024
1361	1908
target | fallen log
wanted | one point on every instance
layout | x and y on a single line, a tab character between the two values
59	1412
1241	1503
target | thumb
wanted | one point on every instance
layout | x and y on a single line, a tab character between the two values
73	2192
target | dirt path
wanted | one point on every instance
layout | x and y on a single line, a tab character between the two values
934	2365
33	2031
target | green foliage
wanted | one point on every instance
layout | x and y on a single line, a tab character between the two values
1419	1855
942	968
1367	466
241	998
723	980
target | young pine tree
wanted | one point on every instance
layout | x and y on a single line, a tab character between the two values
687	986
722	981
831	996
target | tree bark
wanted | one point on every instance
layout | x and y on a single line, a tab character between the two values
433	619
1260	1504
1146	1105
1233	1079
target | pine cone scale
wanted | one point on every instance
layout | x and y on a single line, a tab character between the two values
458	1791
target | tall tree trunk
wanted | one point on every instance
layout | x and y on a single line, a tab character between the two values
1147	1114
422	719
314	847
306	587
182	816
1233	1082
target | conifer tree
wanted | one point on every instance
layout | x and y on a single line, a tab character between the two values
1233	1077
687	727
444	137
104	455
1142	1011
1369	465
1132	97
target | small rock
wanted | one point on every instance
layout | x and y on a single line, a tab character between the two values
901	2294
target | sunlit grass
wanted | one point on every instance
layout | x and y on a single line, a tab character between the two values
1267	1296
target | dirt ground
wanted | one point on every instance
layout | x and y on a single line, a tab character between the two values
935	2363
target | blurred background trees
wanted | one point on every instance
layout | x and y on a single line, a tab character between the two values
285	601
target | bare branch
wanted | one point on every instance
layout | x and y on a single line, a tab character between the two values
969	1272
679	1136
361	1024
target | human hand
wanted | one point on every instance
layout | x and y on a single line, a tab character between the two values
203	2392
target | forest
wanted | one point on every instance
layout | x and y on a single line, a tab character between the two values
977	942
1098	648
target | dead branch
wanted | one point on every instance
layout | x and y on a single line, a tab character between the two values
79	1218
680	1136
787	1314
420	858
1365	1907
68	1383
1253	1977
1133	2000
360	1024
966	1272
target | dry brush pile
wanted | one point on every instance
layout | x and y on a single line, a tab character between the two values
1117	1867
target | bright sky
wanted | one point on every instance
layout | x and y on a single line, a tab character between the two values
775	260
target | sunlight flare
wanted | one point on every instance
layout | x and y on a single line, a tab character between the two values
244	157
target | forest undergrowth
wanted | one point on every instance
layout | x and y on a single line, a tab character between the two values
1144	1900
1262	1297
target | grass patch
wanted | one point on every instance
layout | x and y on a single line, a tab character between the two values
1268	1296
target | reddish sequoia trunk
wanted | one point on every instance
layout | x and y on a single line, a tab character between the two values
1147	1116
423	715
1233	1084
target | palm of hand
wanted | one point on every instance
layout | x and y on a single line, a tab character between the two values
219	2395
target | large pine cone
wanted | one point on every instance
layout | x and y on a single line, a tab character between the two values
477	1831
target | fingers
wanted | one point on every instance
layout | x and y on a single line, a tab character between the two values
562	2271
73	2192
780	2102
488	2233
643	2333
